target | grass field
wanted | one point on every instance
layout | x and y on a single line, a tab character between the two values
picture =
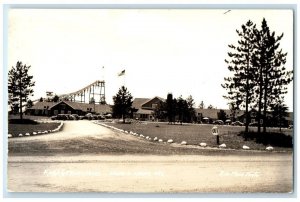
193	134
29	117
16	129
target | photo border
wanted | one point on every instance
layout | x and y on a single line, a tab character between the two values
6	8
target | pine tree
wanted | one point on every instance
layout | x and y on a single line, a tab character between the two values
279	112
29	104
273	77
181	106
55	98
122	103
19	86
201	105
190	109
160	112
240	85
171	108
259	78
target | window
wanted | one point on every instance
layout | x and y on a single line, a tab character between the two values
63	106
144	116
261	121
154	106
252	120
55	112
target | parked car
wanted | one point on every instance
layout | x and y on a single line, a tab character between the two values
53	117
237	123
100	117
218	122
75	116
62	117
108	116
89	116
253	124
71	117
228	121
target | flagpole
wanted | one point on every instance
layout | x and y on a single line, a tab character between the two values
103	74
123	74
124	80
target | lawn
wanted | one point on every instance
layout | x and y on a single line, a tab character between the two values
16	129
193	134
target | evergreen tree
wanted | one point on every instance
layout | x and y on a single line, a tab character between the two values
210	107
29	104
92	100
279	113
171	108
160	112
259	76
273	77
122	103
240	85
190	109
222	115
55	98
19	86
201	105
181	109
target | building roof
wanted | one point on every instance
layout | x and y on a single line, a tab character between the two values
144	111
149	101
138	102
210	113
43	105
213	113
75	105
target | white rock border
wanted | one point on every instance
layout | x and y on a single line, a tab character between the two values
156	139
245	147
27	134
170	141
203	144
183	143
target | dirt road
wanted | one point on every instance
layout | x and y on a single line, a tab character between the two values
85	157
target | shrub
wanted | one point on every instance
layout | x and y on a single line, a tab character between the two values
270	138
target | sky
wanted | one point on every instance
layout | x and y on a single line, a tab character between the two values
181	51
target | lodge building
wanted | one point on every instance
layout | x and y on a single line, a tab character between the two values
142	109
67	107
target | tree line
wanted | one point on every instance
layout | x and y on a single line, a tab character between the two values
259	77
172	108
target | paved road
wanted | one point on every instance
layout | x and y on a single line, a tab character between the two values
151	174
259	172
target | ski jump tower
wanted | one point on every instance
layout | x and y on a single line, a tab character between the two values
93	93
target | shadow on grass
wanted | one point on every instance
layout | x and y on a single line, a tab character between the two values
22	121
269	138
